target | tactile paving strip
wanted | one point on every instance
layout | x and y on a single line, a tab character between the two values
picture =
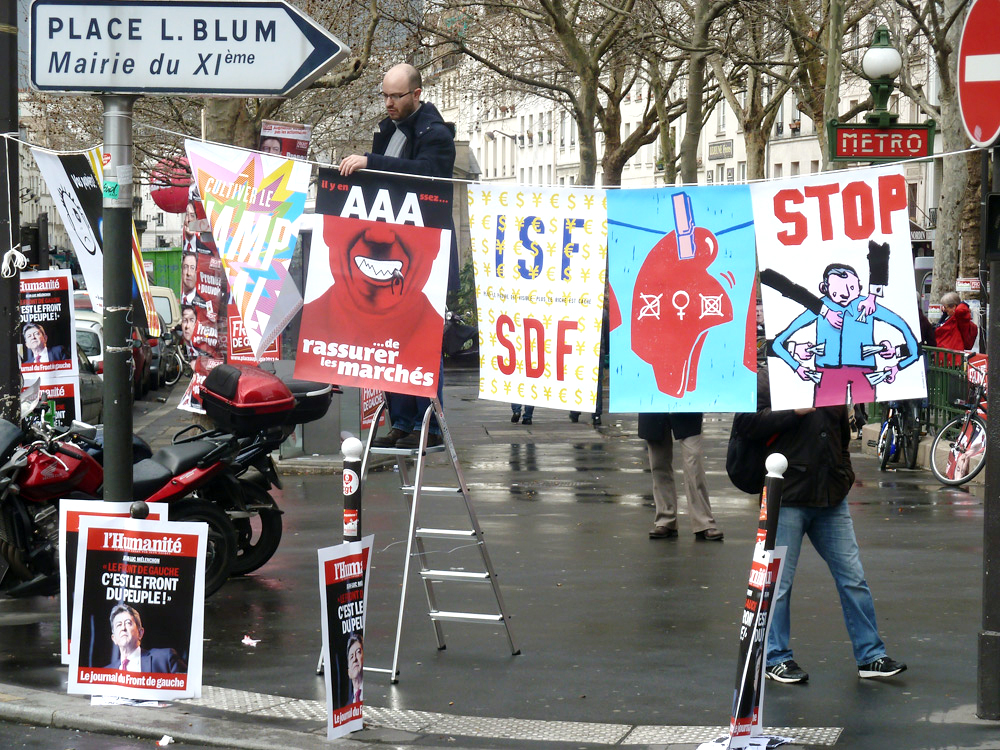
426	722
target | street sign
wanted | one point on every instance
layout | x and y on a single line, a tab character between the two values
979	72
867	143
181	47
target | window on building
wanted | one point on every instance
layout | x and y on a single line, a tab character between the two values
720	173
741	171
777	172
794	171
814	166
720	118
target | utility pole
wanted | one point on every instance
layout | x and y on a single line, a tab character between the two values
10	220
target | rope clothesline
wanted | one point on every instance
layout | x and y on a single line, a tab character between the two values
460	181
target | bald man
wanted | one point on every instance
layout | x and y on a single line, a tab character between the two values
413	139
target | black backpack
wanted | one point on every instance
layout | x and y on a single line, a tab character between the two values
745	461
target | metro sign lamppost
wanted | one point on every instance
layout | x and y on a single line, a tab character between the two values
881	139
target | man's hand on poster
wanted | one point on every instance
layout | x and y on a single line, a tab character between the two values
866	307
352	163
807	374
834	318
805	350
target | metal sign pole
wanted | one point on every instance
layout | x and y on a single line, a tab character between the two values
117	187
988	683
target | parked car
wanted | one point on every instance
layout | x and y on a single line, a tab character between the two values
90	336
91	389
167	306
156	346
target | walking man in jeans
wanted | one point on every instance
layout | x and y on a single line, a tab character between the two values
813	503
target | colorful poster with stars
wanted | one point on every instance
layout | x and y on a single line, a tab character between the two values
254	201
540	257
836	281
682	278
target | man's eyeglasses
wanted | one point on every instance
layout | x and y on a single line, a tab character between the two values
396	97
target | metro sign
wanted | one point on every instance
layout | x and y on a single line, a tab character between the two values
867	143
979	72
181	47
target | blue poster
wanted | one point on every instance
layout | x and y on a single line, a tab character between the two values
683	306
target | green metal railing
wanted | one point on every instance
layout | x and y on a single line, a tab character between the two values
947	382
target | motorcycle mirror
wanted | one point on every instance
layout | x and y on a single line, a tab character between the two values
30	397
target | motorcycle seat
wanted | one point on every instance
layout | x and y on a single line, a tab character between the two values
148	477
184	456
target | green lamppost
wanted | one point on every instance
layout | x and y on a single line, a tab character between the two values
881	64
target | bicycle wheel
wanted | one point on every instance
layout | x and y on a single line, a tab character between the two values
909	428
173	366
886	444
958	452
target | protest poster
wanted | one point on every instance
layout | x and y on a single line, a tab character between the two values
253	202
74	186
138	609
343	590
540	258
376	283
70	512
47	332
191	398
204	290
371	400
284	138
836	278
682	273
239	344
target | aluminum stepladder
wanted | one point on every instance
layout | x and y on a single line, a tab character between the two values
415	490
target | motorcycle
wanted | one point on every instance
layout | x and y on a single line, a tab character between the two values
245	492
40	464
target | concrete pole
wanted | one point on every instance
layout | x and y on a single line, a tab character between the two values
10	219
118	297
988	683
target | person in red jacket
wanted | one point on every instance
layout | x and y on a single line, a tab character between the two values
956	331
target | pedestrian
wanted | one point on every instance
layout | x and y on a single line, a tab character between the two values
956	331
815	440
659	431
516	416
413	139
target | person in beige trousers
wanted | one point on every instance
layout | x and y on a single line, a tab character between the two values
659	431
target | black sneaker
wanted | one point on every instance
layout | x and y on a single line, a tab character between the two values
882	667
786	671
390	439
412	441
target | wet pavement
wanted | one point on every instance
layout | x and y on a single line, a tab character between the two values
623	639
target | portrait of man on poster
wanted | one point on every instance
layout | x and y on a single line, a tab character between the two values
128	654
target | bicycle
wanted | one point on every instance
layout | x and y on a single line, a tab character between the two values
958	452
173	361
899	438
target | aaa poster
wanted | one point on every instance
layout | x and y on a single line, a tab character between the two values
138	609
376	284
682	277
343	589
540	257
836	272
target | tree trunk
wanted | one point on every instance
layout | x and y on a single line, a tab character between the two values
971	218
226	121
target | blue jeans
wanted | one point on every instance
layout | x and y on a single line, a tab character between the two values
406	412
831	532
528	410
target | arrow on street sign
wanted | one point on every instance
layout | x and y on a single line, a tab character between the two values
181	47
979	72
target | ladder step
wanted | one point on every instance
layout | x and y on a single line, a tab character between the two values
408	451
464	617
455	575
409	488
446	533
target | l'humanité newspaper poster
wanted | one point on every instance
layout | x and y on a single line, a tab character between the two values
138	609
540	257
836	279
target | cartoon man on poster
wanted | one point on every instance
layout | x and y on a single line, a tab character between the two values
844	350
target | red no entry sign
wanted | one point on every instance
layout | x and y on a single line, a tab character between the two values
979	72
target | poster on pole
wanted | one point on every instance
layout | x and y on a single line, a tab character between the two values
682	269
70	512
138	609
47	333
254	202
540	258
836	280
376	283
343	590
